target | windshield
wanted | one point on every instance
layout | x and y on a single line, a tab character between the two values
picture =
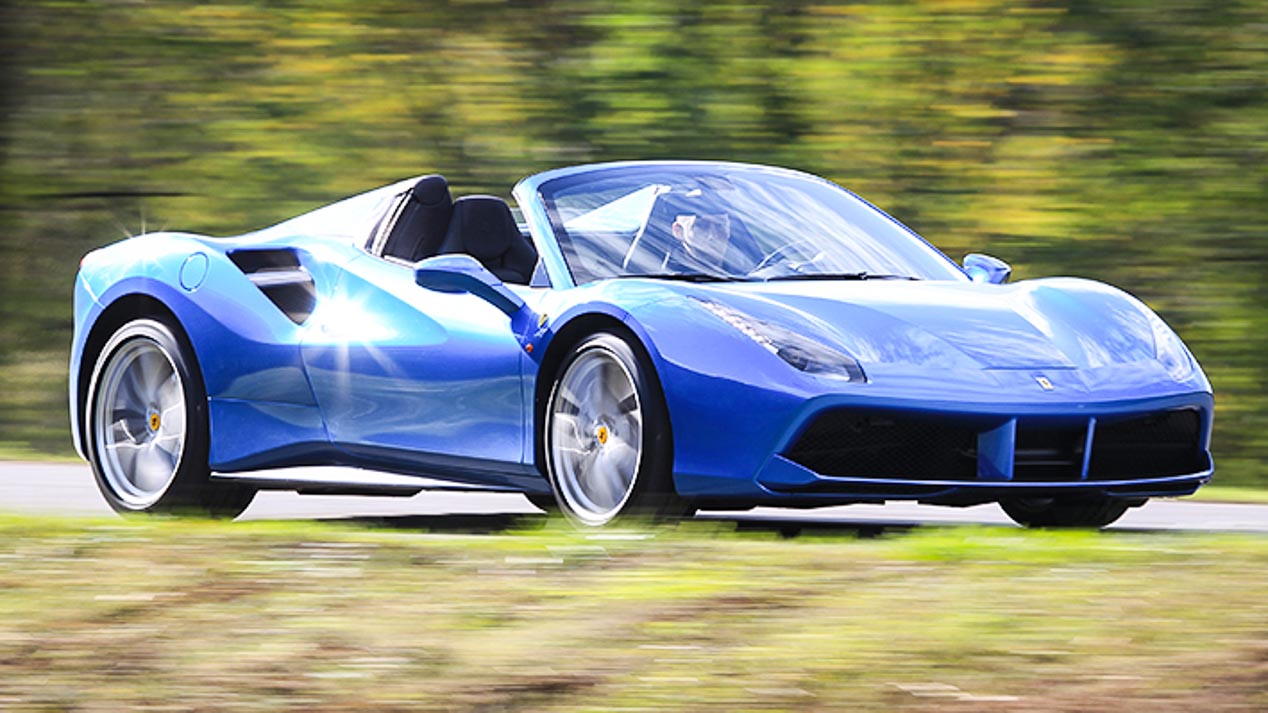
728	222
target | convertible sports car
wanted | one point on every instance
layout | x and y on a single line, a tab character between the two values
651	338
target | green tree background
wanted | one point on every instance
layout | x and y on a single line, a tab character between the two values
1118	140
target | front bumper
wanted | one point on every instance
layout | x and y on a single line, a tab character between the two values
1134	450
788	483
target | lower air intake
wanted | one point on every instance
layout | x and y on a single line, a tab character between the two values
850	444
1152	446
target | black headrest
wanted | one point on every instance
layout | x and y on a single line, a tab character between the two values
432	190
482	225
424	218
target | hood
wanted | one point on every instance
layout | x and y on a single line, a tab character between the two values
1056	323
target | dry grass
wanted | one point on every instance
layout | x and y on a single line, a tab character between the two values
157	615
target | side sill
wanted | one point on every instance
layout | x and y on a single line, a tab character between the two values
331	480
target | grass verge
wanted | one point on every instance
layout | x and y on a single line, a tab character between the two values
265	616
1230	494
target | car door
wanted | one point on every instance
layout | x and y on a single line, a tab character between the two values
403	374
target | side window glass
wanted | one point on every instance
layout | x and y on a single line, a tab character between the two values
540	276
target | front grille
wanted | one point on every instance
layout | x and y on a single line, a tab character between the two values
846	443
850	443
1045	454
1152	446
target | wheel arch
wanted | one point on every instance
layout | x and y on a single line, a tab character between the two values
118	313
567	337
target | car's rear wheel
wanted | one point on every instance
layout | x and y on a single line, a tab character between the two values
608	447
1064	512
147	426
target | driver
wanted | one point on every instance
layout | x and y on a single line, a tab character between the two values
701	241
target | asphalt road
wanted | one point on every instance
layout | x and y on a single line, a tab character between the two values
68	489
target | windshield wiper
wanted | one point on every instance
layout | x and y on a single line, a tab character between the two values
691	277
841	276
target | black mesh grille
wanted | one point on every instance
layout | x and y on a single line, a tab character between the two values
846	443
855	444
1047	454
1153	446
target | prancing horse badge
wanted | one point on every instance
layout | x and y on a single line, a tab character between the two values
1044	383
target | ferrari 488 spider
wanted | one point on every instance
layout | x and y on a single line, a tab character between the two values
642	337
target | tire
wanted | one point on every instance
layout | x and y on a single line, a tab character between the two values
147	427
608	448
1094	512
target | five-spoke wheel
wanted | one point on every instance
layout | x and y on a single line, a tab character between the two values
607	437
147	422
140	410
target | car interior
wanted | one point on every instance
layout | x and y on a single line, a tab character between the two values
426	221
649	250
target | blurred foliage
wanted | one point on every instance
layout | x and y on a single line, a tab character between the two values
1121	140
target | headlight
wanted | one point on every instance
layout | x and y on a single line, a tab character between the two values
1170	350
797	351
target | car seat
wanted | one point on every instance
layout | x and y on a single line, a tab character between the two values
483	227
424	217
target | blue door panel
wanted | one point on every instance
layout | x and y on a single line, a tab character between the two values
401	368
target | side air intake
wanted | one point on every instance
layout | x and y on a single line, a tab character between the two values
281	278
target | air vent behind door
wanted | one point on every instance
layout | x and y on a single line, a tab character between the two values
281	278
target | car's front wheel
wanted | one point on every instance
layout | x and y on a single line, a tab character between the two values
147	427
1064	512
608	446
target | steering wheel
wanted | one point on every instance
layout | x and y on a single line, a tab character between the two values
802	247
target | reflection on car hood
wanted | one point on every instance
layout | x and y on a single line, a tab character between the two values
1049	323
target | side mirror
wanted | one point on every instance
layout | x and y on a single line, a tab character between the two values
984	268
462	273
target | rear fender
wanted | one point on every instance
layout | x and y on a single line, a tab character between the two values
247	348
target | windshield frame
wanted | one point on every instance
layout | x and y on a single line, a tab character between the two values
536	196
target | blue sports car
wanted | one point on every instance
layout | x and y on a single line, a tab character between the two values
649	338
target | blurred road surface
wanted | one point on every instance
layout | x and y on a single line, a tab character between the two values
68	489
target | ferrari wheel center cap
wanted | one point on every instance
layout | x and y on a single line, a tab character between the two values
601	433
154	421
